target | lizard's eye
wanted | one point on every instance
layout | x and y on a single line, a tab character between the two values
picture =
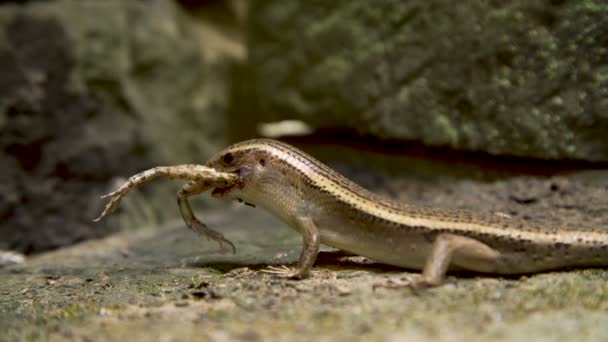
228	158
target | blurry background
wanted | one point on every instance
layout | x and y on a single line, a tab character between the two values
493	106
95	90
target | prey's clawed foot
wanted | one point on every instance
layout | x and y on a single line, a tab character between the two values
203	231
284	272
115	198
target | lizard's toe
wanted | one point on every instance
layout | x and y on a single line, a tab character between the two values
283	272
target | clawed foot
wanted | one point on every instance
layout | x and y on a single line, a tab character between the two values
115	198
284	272
416	284
203	231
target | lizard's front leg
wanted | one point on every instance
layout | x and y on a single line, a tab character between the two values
310	249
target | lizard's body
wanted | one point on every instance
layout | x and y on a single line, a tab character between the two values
327	208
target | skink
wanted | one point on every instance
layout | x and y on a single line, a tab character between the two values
327	208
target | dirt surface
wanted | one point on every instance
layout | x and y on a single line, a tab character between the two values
165	284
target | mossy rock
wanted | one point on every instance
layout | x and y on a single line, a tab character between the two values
527	78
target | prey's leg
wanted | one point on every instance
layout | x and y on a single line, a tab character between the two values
192	172
310	249
190	189
445	248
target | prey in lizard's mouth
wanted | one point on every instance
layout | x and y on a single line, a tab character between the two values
219	192
229	192
237	185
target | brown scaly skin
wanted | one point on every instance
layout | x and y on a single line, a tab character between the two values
327	208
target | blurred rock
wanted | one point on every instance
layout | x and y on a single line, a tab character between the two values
526	78
90	91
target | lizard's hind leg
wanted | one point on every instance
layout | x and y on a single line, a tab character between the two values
192	172
190	189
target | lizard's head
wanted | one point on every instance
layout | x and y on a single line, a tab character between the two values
251	161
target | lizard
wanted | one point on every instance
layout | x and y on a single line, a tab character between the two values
327	208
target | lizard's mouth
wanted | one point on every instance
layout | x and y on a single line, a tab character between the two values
219	192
